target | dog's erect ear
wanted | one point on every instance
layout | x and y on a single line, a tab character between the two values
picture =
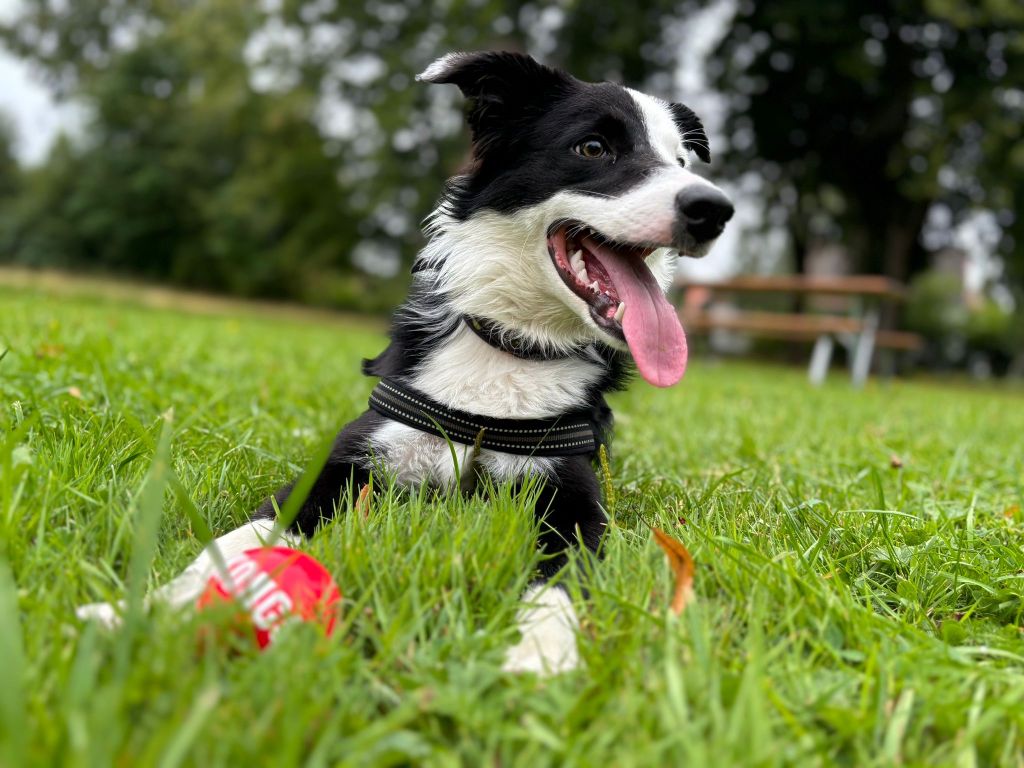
498	84
495	74
692	129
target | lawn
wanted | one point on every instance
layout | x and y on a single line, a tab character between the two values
859	566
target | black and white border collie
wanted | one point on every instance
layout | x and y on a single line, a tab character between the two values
562	236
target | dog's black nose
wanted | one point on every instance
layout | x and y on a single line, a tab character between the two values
701	213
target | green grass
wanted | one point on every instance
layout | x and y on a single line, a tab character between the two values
848	611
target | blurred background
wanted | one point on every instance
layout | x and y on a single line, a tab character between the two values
281	149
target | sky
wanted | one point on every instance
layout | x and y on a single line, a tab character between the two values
25	102
36	118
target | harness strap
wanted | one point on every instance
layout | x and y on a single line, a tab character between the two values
570	434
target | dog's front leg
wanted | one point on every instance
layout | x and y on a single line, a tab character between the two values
548	625
569	508
340	479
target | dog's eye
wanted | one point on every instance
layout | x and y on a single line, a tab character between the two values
591	148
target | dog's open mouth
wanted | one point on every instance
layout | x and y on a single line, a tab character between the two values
624	298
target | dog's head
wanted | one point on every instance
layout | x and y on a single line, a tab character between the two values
566	226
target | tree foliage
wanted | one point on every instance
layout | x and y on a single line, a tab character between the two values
282	148
266	149
860	117
10	173
186	172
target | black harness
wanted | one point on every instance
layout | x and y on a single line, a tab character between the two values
570	434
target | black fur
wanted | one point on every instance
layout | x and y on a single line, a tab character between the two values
525	119
570	499
569	507
692	129
414	330
336	487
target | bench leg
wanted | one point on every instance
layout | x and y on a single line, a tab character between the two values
821	357
887	362
860	366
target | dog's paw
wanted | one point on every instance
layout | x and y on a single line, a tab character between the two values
542	656
548	625
105	614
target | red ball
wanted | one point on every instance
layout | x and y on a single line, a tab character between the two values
274	586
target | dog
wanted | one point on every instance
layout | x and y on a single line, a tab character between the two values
541	286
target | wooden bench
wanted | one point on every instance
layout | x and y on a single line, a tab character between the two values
858	329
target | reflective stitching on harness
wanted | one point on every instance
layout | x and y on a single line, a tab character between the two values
569	434
441	410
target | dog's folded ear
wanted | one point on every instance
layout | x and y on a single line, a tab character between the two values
500	85
692	129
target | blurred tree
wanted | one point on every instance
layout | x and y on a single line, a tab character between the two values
269	149
857	118
35	230
282	147
186	172
10	173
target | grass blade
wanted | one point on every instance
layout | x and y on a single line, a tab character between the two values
13	715
149	510
177	751
300	491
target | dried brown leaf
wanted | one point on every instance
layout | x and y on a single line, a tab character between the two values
75	392
363	502
682	566
895	462
51	351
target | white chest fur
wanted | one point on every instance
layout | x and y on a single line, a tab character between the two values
468	374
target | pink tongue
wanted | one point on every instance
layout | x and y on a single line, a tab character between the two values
651	325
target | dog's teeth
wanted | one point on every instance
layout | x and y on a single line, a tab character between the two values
620	312
594	287
581	273
576	261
